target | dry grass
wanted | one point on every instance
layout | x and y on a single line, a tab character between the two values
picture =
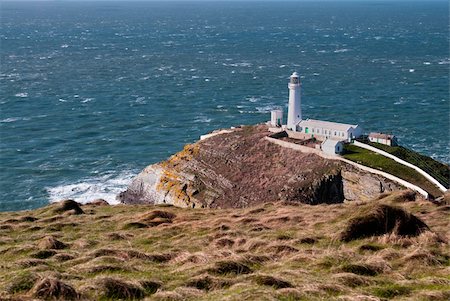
278	251
379	219
51	288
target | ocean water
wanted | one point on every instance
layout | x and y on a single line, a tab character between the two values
92	92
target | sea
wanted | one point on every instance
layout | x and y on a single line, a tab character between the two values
93	92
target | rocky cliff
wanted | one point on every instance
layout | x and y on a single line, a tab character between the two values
241	169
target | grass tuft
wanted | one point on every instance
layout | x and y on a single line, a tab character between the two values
43	254
392	291
150	286
22	283
49	242
276	283
226	267
52	288
382	219
207	283
360	269
114	288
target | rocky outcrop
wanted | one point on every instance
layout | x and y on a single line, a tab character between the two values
241	169
360	185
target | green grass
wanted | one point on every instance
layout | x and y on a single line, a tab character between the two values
380	162
440	171
392	291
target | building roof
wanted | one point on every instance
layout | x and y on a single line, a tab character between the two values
327	124
331	142
381	136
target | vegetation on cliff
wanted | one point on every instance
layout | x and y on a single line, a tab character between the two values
438	170
392	247
380	162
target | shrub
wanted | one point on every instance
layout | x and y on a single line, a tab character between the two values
118	289
383	219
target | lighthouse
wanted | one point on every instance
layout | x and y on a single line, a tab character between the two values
295	108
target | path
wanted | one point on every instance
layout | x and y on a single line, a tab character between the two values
403	162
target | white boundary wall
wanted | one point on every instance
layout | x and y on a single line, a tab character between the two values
423	173
305	149
206	136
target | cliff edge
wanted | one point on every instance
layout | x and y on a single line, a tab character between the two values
240	168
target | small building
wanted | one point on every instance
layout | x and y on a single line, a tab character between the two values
276	118
328	129
386	139
332	147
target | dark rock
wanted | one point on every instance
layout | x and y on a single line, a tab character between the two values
68	205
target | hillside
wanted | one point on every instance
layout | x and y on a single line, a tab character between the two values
241	169
274	251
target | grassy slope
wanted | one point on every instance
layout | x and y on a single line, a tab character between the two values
438	170
377	161
284	252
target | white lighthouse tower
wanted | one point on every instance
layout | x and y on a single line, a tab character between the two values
295	105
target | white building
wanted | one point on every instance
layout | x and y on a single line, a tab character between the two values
295	104
332	147
317	128
328	129
390	140
276	118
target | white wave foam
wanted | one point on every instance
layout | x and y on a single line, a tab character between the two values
243	64
265	109
202	119
7	120
400	101
253	99
105	187
341	50
14	119
22	94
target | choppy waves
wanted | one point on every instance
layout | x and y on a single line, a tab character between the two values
133	86
106	187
